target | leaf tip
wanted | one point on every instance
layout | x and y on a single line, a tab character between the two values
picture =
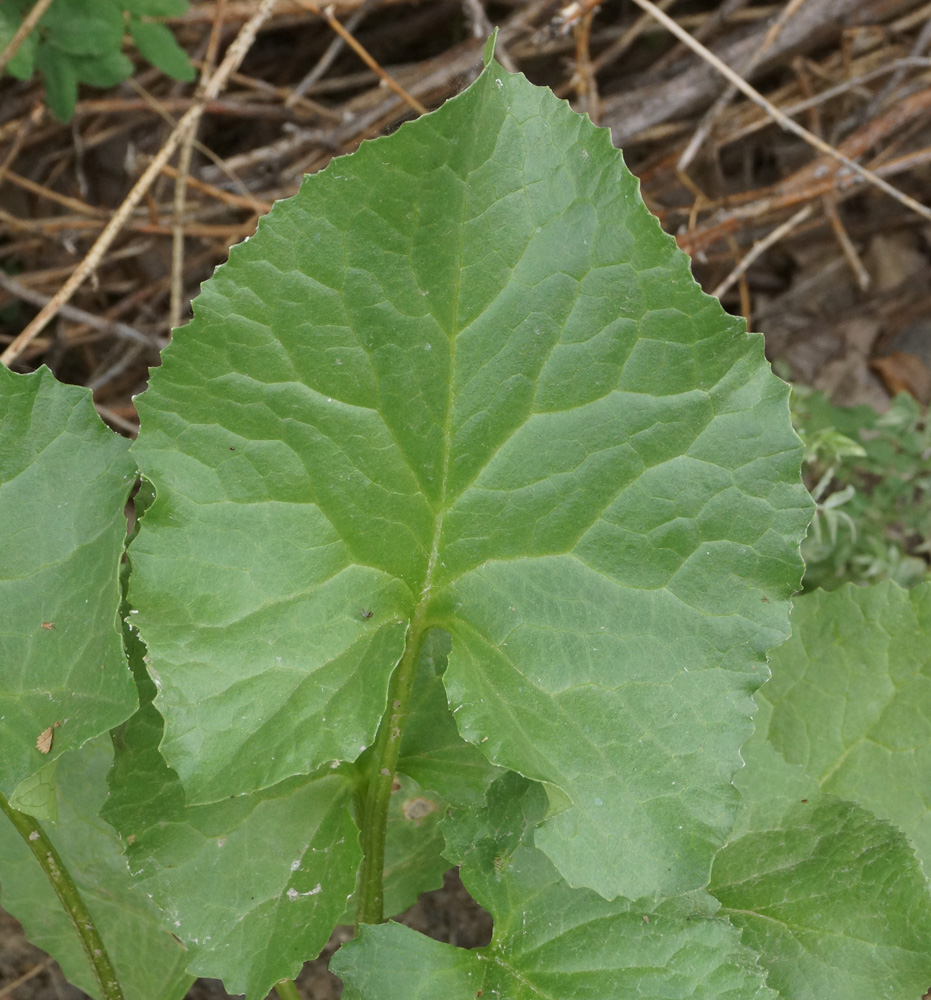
488	52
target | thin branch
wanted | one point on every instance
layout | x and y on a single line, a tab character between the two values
160	108
796	107
326	60
25	977
234	56
364	55
176	294
711	116
893	84
787	123
846	243
761	246
75	315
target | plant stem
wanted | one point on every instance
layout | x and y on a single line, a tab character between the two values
370	892
44	852
286	990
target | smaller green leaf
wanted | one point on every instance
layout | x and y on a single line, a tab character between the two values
851	700
84	27
392	962
23	62
61	81
148	960
550	940
831	898
157	44
64	479
279	864
432	751
106	70
414	861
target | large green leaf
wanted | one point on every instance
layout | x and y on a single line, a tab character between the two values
463	380
851	700
64	479
148	959
550	940
831	897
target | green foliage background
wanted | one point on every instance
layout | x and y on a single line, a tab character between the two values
80	41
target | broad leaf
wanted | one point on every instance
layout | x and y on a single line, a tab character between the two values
148	959
64	479
462	380
831	897
851	700
549	940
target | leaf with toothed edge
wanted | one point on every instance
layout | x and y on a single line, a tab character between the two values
463	381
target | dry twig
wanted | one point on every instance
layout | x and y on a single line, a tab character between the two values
787	123
176	297
711	116
364	55
217	81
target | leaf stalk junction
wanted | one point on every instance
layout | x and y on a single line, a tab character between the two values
370	890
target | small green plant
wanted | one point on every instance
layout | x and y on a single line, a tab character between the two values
870	475
466	523
80	41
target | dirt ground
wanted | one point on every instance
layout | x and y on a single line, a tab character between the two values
835	271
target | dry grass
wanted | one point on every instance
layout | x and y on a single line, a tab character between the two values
748	199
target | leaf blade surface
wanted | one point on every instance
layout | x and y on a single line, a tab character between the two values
831	897
550	940
851	700
64	479
252	885
148	960
464	380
